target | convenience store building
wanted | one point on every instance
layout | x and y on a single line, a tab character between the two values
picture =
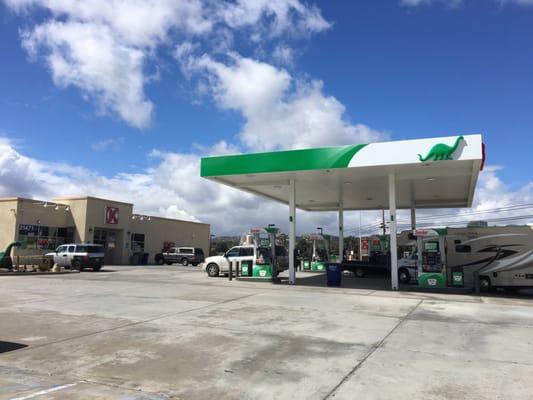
41	226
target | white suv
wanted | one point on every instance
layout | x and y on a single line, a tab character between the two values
217	265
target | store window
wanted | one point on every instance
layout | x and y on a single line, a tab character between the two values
137	242
44	237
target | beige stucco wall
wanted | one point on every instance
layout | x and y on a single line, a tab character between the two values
87	214
29	212
182	233
78	210
8	222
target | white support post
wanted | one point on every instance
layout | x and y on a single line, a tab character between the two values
413	216
393	230
341	231
292	231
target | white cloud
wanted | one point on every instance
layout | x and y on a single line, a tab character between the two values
103	47
107	144
280	111
416	3
283	55
273	17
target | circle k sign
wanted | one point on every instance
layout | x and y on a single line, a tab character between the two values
111	215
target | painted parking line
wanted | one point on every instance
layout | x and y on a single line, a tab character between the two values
46	391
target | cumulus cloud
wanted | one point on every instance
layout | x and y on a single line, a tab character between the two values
107	144
102	47
416	3
280	111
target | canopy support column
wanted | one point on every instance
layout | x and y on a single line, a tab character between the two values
292	231
413	216
393	231
341	231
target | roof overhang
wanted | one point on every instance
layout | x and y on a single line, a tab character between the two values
359	174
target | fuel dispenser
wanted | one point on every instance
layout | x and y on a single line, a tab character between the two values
431	259
320	255
264	241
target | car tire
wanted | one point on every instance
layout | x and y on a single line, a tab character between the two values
97	268
212	270
359	272
404	276
160	261
484	284
184	262
76	264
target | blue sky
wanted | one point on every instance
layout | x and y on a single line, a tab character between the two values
385	70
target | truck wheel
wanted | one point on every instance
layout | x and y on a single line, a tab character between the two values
484	283
212	270
359	272
184	262
76	264
403	276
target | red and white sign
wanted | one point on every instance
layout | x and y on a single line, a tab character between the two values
364	247
111	215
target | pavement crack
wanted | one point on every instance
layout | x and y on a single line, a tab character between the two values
372	350
159	317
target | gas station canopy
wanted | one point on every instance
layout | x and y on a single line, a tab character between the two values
429	173
423	173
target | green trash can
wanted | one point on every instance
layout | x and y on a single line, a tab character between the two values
457	278
247	268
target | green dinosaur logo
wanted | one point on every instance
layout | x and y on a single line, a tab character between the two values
442	151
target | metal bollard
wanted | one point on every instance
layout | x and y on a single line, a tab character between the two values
230	275
477	289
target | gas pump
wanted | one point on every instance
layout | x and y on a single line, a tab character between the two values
320	254
431	260
272	232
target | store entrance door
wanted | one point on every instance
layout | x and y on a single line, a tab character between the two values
108	239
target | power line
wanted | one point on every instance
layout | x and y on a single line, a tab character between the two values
514	207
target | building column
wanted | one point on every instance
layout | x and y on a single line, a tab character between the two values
413	216
393	231
292	231
341	231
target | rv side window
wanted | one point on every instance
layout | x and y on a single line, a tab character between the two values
462	248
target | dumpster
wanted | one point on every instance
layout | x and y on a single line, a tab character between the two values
144	259
333	274
136	259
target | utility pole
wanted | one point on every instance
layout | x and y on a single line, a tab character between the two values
383	221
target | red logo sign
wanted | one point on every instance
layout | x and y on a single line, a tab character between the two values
111	215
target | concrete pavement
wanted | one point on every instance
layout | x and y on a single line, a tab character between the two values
172	332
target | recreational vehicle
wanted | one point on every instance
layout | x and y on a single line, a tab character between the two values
501	255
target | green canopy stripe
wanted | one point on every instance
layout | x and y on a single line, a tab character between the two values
279	161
